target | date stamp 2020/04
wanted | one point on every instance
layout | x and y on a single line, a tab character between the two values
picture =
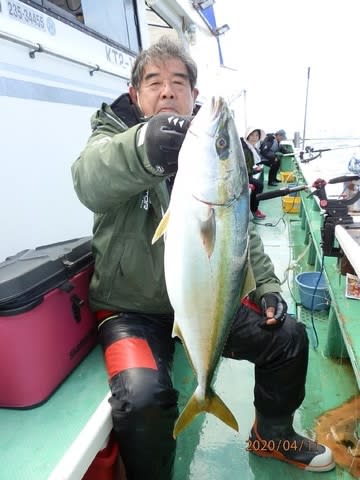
284	445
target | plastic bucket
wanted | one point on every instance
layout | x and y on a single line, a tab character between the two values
292	185
314	294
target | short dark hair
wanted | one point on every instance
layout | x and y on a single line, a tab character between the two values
163	49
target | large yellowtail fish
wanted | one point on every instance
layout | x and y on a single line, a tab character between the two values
206	248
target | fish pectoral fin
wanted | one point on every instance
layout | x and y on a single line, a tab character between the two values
211	404
162	227
208	232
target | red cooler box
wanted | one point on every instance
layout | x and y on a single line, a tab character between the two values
46	326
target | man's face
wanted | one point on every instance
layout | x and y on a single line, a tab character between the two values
165	87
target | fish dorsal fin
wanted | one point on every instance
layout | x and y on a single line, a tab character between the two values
208	232
162	227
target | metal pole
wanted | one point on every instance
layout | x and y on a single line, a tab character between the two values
306	100
245	112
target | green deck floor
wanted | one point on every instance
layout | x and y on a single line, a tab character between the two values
33	441
210	450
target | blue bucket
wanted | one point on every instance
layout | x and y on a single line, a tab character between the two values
314	294
292	185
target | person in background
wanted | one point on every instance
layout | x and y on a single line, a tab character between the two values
270	154
352	187
122	175
249	143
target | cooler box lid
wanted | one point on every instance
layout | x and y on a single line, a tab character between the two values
28	275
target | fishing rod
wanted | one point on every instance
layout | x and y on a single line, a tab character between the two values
318	185
310	151
336	211
280	192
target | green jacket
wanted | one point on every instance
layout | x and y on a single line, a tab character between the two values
249	157
114	179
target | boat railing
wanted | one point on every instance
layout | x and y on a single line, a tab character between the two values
39	48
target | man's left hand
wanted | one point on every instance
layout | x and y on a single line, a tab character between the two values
274	309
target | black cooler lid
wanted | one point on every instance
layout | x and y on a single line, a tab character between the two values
28	275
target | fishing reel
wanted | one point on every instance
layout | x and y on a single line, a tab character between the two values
336	210
311	154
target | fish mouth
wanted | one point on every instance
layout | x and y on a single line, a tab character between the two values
218	115
217	104
228	203
215	109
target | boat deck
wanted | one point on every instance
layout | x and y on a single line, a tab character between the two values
213	451
55	441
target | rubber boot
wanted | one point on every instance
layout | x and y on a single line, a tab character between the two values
276	438
272	180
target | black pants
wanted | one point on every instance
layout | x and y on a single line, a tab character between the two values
139	353
274	166
259	187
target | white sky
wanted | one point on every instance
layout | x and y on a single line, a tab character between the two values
273	42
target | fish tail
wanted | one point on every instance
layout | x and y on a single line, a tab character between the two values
218	408
211	404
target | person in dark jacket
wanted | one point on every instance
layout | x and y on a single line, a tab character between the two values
249	142
270	150
122	175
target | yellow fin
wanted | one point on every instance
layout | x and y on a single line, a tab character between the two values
212	404
176	332
208	232
161	228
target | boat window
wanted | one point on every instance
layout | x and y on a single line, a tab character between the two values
71	9
116	20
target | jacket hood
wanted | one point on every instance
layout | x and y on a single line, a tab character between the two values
252	129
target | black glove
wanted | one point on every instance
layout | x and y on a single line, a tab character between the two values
273	300
163	139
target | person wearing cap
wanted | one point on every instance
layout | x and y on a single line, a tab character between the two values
249	142
281	134
270	150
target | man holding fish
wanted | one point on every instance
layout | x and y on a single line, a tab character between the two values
207	280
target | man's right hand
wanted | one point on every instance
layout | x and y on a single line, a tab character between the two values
274	309
164	136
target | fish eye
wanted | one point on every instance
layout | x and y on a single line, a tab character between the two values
221	142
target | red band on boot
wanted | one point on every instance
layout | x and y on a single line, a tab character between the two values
128	353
